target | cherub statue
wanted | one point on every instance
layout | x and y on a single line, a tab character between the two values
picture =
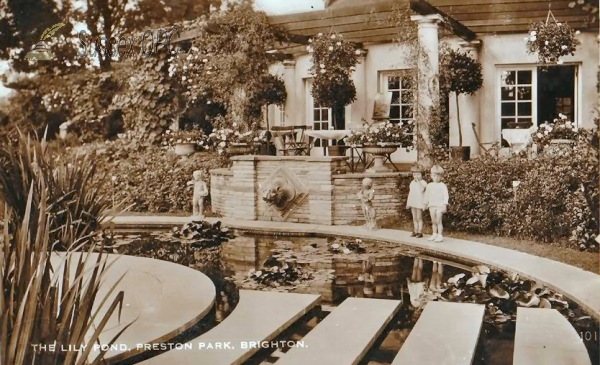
366	196
200	192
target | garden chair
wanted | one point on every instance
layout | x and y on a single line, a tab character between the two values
300	145
292	140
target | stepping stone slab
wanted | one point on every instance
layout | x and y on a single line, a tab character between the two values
345	335
445	334
544	336
259	316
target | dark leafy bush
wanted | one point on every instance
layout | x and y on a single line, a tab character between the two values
556	197
150	178
477	188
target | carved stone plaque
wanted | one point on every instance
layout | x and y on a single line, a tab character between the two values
283	192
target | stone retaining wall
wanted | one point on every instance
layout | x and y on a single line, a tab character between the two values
331	198
389	195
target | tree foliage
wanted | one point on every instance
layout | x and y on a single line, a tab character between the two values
333	60
22	23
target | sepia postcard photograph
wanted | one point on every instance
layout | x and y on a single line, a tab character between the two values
299	182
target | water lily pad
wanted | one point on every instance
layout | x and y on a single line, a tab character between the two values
473	280
497	292
545	303
454	280
502	318
481	269
533	301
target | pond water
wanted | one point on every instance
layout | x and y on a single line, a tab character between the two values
337	269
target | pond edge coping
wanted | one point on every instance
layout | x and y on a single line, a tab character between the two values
580	286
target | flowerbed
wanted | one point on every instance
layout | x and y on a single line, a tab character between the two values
146	177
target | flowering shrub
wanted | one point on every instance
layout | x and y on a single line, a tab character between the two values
333	60
384	133
551	40
147	177
232	133
194	135
561	128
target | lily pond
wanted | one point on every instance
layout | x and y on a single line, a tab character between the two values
338	268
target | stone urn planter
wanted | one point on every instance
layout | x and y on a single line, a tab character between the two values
379	153
185	149
239	149
559	147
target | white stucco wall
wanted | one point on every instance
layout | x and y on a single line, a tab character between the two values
510	50
496	51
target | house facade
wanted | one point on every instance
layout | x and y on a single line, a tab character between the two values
515	89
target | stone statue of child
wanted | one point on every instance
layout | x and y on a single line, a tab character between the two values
200	192
366	196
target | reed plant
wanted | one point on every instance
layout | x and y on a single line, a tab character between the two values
51	305
51	270
74	203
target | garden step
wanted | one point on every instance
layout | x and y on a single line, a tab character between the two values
446	333
345	335
544	336
259	316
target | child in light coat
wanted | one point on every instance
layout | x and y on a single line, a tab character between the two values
415	201
436	200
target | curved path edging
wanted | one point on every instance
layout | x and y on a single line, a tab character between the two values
163	298
581	286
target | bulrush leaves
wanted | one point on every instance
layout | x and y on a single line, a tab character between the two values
50	298
73	204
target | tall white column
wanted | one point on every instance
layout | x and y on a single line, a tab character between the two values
359	107
469	109
428	88
289	78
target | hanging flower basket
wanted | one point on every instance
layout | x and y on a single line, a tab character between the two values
551	40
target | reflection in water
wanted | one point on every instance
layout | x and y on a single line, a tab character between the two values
380	272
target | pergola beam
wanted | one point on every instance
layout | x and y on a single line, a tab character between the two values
422	7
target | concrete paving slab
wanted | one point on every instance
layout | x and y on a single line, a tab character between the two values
544	336
345	335
153	300
445	334
259	316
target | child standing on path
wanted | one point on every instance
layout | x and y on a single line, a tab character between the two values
436	199
415	201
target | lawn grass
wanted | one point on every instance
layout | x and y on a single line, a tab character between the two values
588	261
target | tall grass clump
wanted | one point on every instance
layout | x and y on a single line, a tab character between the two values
73	202
45	305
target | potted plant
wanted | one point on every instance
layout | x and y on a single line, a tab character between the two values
461	74
185	141
230	138
272	92
380	140
333	61
558	136
551	40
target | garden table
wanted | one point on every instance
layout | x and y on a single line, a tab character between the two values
336	135
330	134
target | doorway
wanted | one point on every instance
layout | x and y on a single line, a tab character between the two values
556	93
